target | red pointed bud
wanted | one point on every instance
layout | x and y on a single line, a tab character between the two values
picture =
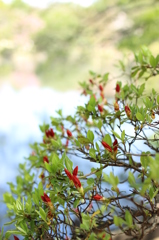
69	134
106	146
16	238
76	182
75	171
67	142
100	108
97	197
45	198
50	133
115	145
91	81
117	88
45	159
128	111
101	88
69	175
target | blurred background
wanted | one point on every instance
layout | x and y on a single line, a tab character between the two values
46	48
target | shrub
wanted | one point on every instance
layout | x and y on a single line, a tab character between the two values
56	199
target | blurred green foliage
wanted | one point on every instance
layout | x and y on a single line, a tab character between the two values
64	41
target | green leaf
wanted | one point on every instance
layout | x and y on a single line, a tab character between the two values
97	147
83	140
88	188
116	135
44	127
140	57
22	230
158	99
86	220
108	139
68	164
105	78
59	112
56	163
92	102
133	73
123	135
35	199
93	74
90	136
48	167
54	121
147	102
40	189
103	209
128	218
153	61
11	222
92	236
139	116
141	89
76	202
92	153
144	160
12	232
90	181
131	179
55	143
42	214
118	221
100	124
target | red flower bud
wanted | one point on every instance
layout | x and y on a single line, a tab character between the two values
45	159
69	134
67	142
128	111
97	197
117	88
47	201
76	182
91	81
69	175
75	171
101	88
45	198
16	238
105	145
50	133
74	177
115	145
100	108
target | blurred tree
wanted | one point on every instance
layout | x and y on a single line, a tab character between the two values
71	39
